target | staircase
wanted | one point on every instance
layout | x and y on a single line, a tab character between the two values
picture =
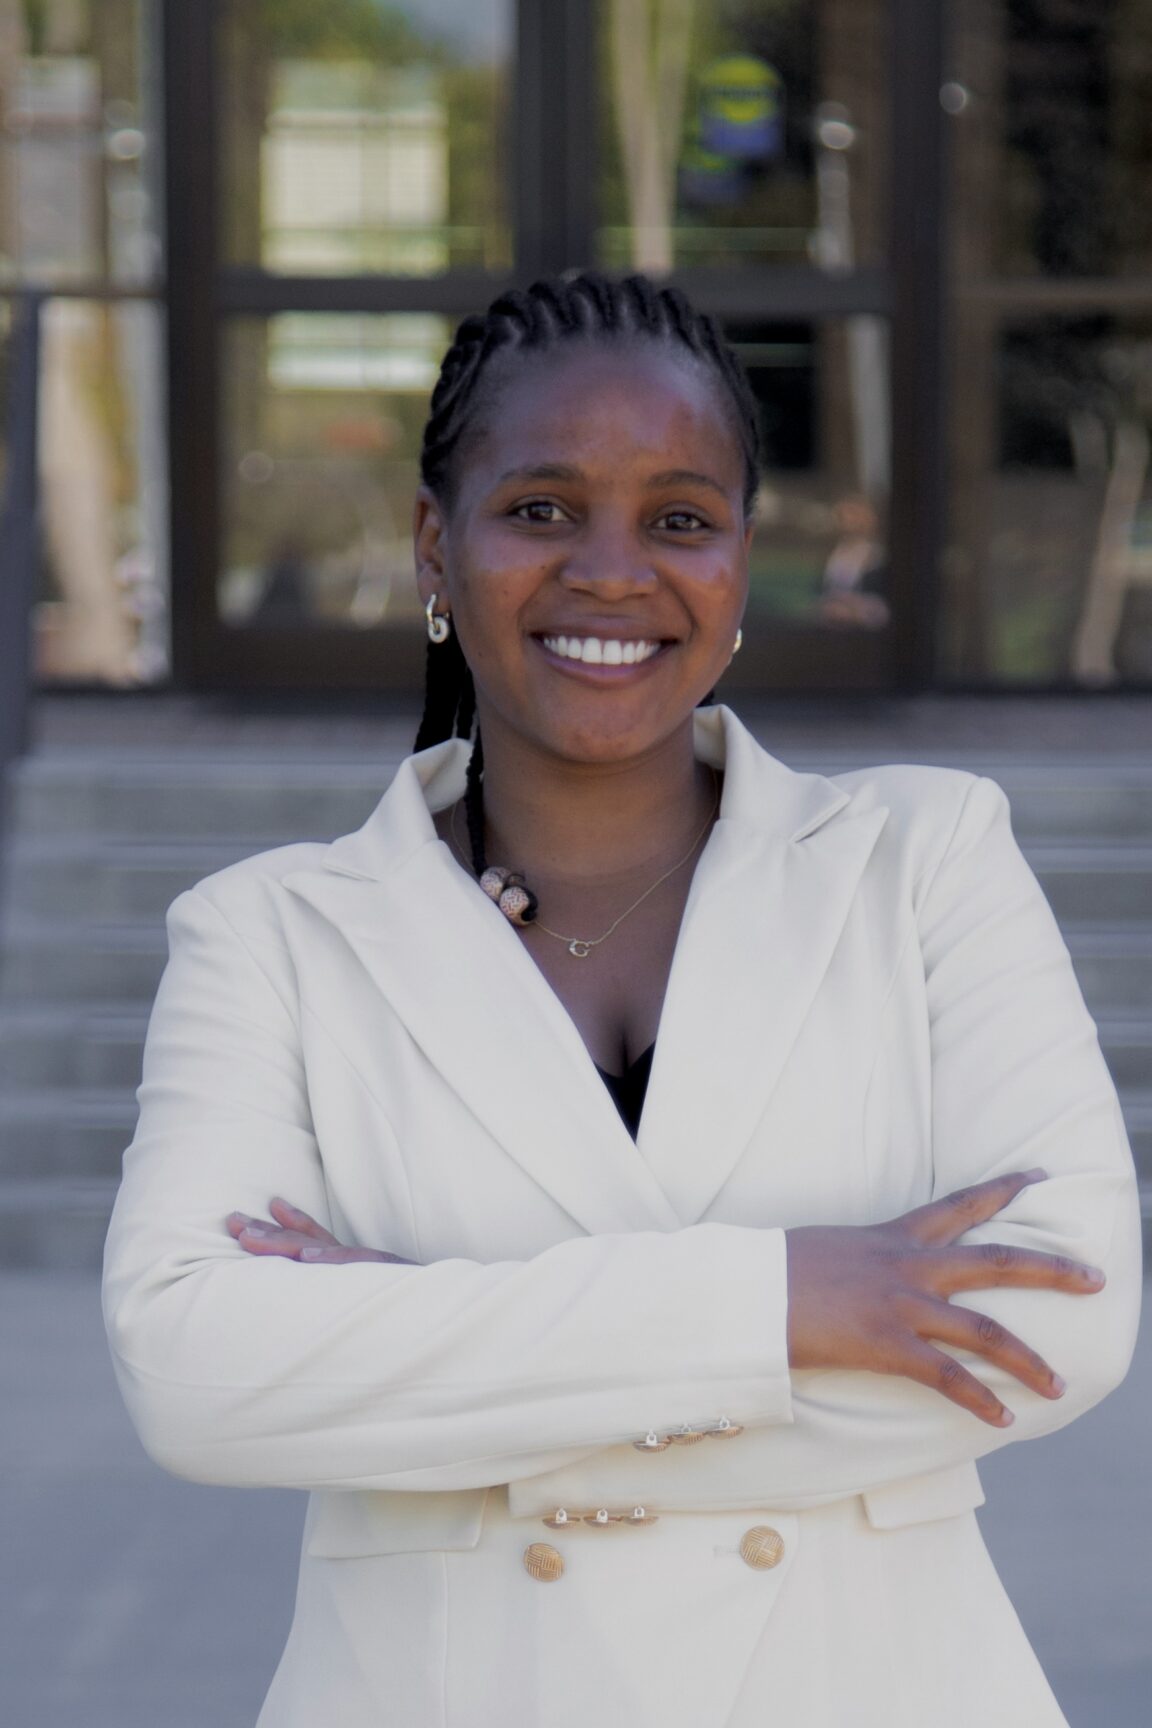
102	842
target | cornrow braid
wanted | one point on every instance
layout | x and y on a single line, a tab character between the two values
578	307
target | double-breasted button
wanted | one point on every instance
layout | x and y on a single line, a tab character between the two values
543	1562
762	1547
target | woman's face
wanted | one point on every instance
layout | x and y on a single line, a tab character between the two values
594	556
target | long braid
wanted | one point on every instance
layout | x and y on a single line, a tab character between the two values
583	307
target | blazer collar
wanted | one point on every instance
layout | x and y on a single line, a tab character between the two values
768	899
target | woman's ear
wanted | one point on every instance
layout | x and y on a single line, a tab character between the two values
429	533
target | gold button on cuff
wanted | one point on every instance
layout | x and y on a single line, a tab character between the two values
687	1436
725	1430
762	1548
603	1516
543	1562
651	1443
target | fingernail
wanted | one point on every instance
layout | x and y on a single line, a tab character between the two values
312	1252
251	1229
1059	1386
1037	1175
1092	1274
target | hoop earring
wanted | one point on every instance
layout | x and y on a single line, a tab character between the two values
738	644
439	628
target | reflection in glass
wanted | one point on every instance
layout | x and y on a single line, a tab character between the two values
1049	569
361	137
77	175
750	132
819	554
102	613
324	414
1051	137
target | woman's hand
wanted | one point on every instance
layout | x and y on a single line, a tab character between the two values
872	1296
296	1236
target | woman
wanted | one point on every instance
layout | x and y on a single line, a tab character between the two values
701	1164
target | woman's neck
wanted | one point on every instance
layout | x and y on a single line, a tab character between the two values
592	822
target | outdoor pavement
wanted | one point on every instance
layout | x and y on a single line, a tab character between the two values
131	1600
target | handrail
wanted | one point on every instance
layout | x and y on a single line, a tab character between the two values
19	534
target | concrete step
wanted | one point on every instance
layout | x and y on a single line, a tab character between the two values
259	801
1127	1047
1114	967
55	1224
109	881
64	1133
1095	882
71	1045
42	961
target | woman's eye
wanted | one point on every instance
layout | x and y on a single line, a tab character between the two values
682	521
539	510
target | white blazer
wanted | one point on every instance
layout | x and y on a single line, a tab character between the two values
870	1005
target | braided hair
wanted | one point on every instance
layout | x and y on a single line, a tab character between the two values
587	307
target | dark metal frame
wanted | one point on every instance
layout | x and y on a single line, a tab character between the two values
553	152
19	535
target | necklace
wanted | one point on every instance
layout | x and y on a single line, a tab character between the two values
579	946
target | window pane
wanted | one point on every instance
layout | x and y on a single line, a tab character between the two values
361	137
1052	141
819	555
752	132
78	168
102	610
1049	572
324	418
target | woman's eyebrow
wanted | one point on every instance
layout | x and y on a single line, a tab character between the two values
685	477
542	471
563	471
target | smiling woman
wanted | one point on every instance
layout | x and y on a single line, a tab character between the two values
676	1104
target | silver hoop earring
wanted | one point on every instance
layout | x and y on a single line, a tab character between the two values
439	628
739	643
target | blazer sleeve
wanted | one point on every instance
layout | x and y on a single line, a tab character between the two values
1018	1082
263	1371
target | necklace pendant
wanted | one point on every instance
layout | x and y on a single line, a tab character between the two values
580	950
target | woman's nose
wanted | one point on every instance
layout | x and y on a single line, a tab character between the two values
609	560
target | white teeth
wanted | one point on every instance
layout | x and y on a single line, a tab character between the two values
601	651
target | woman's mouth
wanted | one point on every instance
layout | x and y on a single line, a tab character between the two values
601	652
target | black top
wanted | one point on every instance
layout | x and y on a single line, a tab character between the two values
630	1088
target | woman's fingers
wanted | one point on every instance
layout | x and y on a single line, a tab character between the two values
986	1265
293	1218
310	1243
945	1220
947	1323
942	1373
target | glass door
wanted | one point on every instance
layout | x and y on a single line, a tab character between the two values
373	173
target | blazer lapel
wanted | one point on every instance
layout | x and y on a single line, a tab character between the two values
454	971
769	899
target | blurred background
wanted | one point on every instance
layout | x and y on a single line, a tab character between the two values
235	237
253	223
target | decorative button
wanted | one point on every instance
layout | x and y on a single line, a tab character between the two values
639	1516
687	1436
725	1430
559	1520
762	1547
543	1562
652	1443
603	1516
